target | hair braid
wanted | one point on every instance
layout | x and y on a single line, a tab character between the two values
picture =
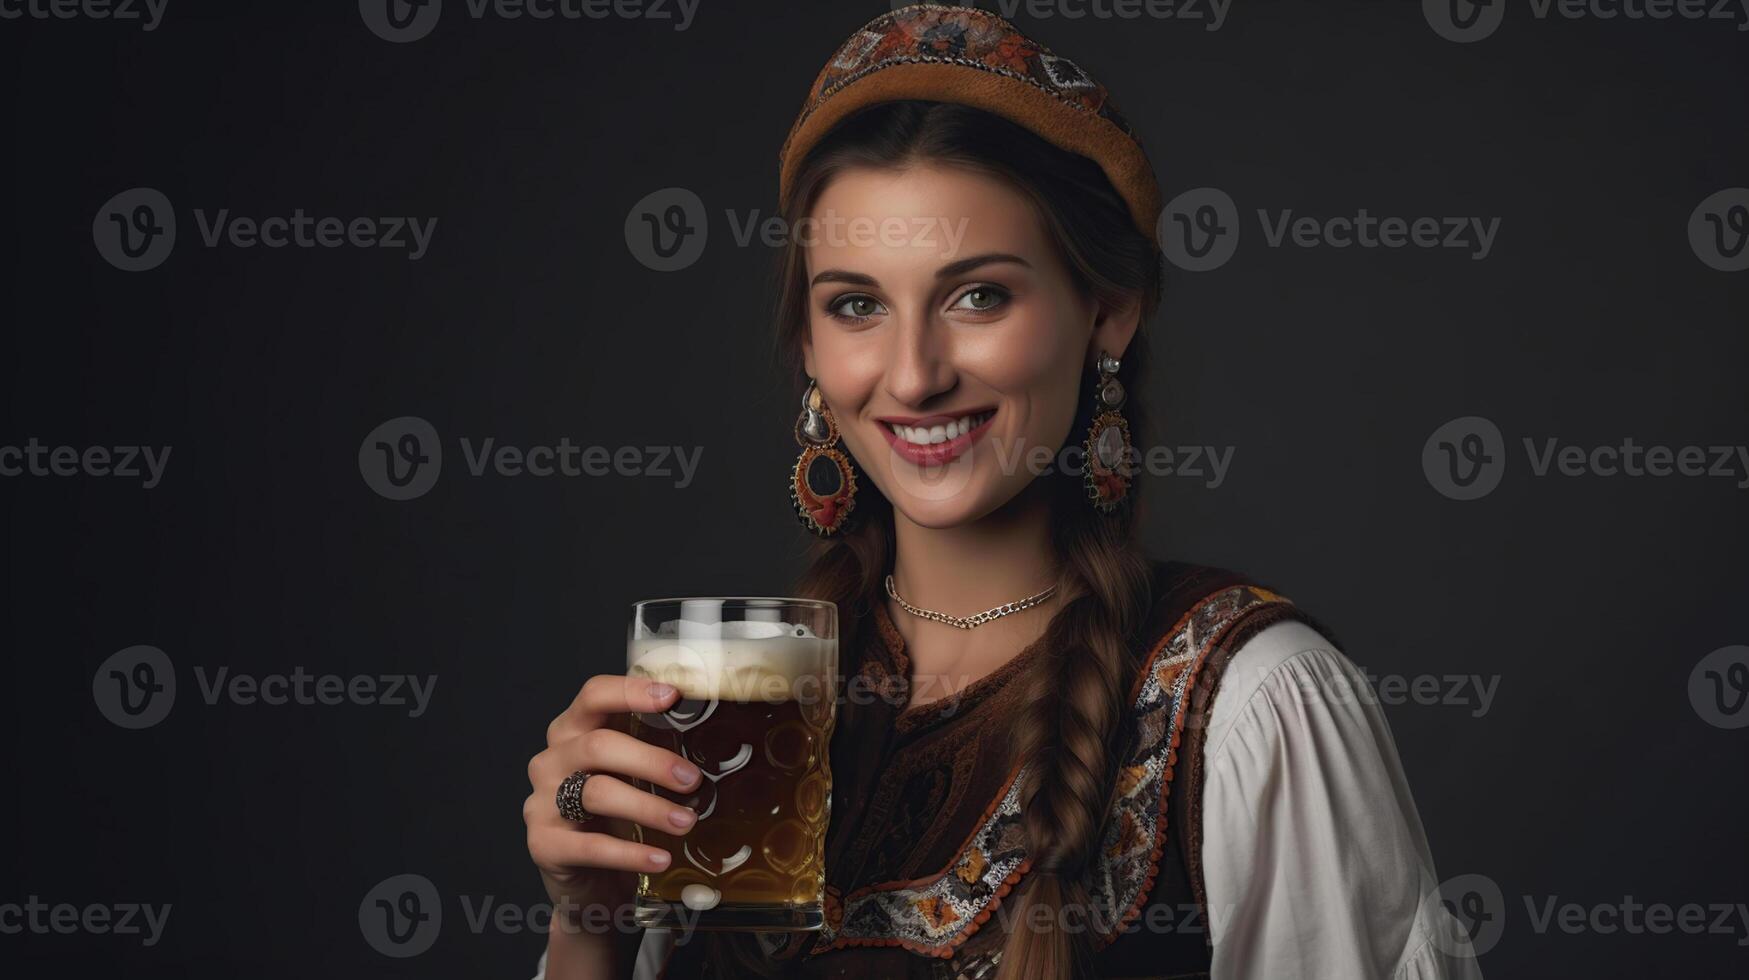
1068	743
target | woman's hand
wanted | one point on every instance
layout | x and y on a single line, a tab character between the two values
589	869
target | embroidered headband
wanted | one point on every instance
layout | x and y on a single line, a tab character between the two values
975	58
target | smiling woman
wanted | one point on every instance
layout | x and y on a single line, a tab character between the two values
1082	763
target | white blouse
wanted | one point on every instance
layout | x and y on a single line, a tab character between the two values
1314	858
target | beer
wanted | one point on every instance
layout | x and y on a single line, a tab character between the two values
755	715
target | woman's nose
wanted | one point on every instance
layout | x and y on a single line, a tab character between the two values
920	368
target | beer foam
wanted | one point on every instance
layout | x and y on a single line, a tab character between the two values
768	663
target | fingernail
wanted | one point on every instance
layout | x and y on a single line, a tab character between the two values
681	818
659	859
685	774
660	691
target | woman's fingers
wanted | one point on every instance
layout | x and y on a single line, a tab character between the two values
560	850
609	694
609	797
607	750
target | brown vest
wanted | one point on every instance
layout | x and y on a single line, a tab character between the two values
925	837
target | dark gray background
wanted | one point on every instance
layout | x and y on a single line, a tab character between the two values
1591	599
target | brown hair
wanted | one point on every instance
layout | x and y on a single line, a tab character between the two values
1075	703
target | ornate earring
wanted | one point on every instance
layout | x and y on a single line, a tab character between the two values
822	486
1110	454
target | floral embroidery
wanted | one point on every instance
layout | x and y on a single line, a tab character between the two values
936	916
1129	777
972	867
937	911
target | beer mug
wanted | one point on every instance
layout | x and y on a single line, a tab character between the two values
757	683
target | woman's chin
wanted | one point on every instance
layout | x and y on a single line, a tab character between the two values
964	505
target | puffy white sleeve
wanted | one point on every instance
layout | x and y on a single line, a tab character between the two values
1314	858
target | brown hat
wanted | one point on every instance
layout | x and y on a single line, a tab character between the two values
973	57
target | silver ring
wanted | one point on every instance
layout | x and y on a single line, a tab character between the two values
570	797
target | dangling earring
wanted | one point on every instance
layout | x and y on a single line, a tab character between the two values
822	486
1110	453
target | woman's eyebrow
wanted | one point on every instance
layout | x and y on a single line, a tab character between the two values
968	264
840	275
945	272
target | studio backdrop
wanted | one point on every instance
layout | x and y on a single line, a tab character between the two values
365	361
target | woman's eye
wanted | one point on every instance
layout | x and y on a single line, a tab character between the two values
981	298
855	307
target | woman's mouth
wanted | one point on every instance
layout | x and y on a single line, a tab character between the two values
934	440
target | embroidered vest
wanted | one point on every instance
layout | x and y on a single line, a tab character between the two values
926	838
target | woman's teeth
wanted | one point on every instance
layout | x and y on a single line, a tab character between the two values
925	435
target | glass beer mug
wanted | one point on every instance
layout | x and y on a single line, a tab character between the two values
757	682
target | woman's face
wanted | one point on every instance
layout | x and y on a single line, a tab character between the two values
946	336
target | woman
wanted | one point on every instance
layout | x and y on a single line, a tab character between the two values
1123	768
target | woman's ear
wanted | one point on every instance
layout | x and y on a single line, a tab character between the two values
808	356
1113	328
